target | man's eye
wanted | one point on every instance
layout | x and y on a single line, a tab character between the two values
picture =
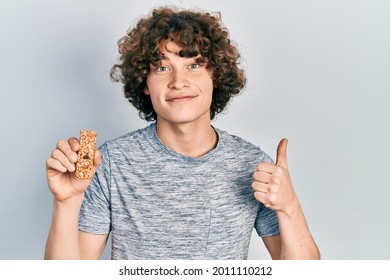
162	69
194	65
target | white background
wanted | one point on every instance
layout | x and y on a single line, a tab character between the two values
318	73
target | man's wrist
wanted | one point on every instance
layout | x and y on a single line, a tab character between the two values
72	202
290	210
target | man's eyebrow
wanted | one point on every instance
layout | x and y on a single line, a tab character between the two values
163	57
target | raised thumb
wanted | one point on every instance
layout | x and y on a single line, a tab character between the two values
281	157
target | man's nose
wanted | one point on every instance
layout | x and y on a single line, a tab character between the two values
179	80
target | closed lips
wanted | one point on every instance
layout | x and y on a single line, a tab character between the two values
180	98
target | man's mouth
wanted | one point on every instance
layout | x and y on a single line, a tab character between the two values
180	98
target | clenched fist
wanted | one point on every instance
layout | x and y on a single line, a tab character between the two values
272	183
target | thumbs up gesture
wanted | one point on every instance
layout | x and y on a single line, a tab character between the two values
272	183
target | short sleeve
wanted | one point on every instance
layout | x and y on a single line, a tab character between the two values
95	216
266	223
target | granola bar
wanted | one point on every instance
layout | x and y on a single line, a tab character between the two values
85	155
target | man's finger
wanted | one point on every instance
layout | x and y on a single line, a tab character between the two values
261	176
54	164
262	197
63	159
96	161
266	167
65	147
281	157
260	187
97	158
74	143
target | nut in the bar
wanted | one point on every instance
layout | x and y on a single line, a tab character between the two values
85	155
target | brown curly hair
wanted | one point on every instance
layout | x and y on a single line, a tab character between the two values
196	33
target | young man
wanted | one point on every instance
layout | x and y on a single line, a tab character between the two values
179	188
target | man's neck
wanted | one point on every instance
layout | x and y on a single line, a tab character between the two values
193	139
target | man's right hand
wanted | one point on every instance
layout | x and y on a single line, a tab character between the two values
60	168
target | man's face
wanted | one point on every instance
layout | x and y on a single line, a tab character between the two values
180	89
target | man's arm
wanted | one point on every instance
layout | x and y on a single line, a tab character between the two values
273	245
273	188
294	240
65	241
92	245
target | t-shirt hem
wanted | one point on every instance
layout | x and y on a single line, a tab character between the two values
93	231
270	234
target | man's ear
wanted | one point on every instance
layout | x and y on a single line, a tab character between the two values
146	91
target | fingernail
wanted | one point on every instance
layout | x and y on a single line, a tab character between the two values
71	167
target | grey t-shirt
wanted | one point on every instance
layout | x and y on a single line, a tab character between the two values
159	204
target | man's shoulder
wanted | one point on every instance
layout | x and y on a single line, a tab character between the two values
139	134
235	144
234	141
130	139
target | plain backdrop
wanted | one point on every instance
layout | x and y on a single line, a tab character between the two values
318	73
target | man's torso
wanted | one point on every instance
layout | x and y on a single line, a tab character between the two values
164	205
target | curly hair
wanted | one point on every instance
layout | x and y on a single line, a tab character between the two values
196	33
